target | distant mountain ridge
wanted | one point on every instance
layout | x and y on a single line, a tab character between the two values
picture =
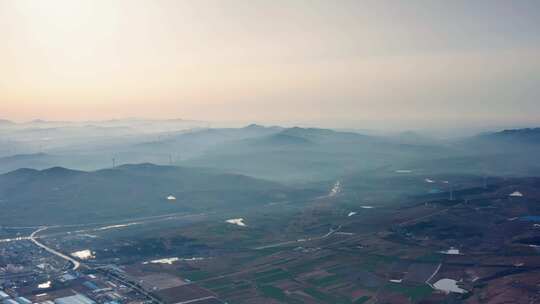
512	152
284	154
32	160
308	154
531	135
60	195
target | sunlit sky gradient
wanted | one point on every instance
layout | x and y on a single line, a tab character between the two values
340	63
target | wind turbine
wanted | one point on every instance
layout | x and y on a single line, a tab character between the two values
451	191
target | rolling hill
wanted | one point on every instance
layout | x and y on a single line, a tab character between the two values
285	155
309	154
59	195
504	153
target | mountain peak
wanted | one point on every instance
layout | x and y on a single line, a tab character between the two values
525	134
22	172
140	166
520	131
254	126
59	171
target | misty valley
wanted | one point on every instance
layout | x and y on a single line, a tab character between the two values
269	152
261	214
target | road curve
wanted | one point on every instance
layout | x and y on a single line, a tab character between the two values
76	264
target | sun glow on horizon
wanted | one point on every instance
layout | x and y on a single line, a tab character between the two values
231	60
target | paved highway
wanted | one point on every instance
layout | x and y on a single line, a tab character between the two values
76	264
329	234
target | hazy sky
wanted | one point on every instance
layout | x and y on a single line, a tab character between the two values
335	62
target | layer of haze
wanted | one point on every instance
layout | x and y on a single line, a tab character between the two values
339	63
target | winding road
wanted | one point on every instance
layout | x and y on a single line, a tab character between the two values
76	264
